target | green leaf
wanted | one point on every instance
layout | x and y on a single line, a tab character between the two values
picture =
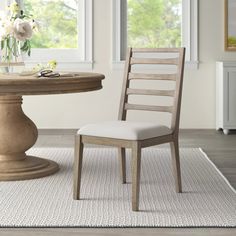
25	46
22	16
29	48
2	44
8	43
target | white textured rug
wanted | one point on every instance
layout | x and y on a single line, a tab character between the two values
207	201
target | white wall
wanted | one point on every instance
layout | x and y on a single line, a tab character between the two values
198	106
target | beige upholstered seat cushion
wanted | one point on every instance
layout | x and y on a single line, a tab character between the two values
125	130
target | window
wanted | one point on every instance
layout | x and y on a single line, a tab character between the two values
58	21
155	23
65	31
159	23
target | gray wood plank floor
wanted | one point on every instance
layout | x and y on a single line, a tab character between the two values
220	148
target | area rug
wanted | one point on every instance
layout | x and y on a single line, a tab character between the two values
207	201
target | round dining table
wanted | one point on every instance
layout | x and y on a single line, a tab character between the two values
18	133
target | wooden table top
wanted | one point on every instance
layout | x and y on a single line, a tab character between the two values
16	84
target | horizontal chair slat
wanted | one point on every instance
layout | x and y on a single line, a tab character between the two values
169	93
152	76
129	106
155	50
153	61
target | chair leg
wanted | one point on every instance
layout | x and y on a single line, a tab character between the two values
176	165
136	167
122	160
79	146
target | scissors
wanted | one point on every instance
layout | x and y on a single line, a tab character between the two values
48	73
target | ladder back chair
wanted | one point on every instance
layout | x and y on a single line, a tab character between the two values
137	135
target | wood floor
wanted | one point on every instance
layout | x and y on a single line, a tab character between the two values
220	148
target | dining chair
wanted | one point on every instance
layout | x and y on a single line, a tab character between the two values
137	135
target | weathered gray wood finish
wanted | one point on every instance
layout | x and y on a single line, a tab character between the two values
18	133
136	145
15	84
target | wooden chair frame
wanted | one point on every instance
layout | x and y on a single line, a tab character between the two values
137	145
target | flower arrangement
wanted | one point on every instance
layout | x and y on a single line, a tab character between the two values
16	30
51	65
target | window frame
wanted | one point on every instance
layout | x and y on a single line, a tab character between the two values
189	32
81	57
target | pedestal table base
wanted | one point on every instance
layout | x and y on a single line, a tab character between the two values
17	134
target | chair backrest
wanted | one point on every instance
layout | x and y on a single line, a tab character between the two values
160	57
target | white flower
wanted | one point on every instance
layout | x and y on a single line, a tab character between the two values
3	34
6	29
8	25
22	30
2	16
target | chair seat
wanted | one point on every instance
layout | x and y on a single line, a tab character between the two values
127	130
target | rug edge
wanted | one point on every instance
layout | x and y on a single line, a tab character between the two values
196	148
218	171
